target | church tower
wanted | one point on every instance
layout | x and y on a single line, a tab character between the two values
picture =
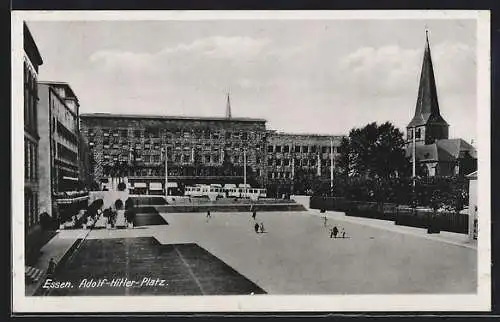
427	125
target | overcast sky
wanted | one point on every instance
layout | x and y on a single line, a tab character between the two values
302	76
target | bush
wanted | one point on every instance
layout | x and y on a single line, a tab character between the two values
118	204
122	186
130	215
45	221
129	203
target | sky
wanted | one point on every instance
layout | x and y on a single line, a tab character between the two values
302	76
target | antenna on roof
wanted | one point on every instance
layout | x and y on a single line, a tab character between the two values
228	106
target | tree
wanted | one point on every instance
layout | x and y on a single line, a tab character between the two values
374	151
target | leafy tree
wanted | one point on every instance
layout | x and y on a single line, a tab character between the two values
374	151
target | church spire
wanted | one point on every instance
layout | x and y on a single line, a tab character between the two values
228	107
427	108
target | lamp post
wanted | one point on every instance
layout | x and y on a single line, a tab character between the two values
164	152
331	166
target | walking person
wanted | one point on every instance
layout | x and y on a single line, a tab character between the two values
262	227
342	232
331	232
209	215
256	227
325	221
335	231
254	214
52	267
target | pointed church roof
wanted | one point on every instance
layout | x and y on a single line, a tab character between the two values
427	109
228	107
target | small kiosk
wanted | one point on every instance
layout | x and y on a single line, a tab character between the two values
473	218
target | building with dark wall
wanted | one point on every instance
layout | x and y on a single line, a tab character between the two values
427	132
59	150
32	61
290	156
199	150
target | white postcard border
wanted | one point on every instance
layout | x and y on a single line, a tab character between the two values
256	303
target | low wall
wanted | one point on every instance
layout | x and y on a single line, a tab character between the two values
108	197
401	215
303	200
219	208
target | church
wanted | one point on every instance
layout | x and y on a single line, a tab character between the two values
427	133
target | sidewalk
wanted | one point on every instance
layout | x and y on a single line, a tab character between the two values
55	248
444	236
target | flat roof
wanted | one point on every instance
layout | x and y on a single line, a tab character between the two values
169	117
61	84
276	133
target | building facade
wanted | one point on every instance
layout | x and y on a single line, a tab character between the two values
292	157
427	133
59	150
32	61
132	149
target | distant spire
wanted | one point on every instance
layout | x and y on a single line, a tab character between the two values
427	108
228	107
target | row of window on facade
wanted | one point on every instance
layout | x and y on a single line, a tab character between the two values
176	146
301	149
30	99
30	160
30	209
177	134
418	134
279	175
297	162
178	158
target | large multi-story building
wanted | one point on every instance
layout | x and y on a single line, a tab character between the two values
131	149
59	150
32	61
199	150
427	132
292	155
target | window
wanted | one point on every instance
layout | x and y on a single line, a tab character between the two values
297	148
286	149
207	159
269	162
305	149
417	134
410	134
286	162
270	148
244	136
313	149
278	148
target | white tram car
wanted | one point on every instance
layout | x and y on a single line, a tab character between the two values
216	191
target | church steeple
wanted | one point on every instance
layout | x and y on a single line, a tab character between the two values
427	123
228	107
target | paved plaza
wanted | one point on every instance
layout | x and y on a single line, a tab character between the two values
294	256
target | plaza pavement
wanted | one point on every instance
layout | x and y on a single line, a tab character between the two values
296	255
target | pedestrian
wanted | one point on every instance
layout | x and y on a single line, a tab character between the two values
52	266
335	231
325	220
254	214
331	232
256	227
262	227
343	232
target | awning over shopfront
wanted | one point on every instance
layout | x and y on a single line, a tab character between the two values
70	178
140	185
155	186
